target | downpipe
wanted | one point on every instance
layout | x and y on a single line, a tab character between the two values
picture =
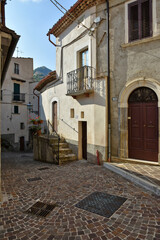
108	84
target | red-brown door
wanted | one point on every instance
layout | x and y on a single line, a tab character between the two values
143	130
54	116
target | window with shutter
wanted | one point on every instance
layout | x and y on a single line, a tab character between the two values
140	19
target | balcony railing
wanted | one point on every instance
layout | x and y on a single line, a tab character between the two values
19	97
80	81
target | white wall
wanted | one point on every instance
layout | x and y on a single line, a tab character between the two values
10	120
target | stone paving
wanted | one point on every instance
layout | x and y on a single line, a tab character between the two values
150	173
137	218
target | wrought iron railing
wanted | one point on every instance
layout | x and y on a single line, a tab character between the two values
19	97
80	80
56	137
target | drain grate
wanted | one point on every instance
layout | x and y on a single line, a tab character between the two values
41	209
34	179
101	203
43	168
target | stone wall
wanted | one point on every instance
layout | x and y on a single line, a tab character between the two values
42	151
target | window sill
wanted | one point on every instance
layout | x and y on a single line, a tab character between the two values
141	41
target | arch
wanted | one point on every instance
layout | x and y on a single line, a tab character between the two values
137	83
52	104
123	110
54	99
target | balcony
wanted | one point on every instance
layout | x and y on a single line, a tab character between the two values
80	81
19	97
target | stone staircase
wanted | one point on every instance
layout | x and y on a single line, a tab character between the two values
65	153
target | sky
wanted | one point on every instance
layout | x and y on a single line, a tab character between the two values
32	19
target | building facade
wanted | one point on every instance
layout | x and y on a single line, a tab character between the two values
8	41
80	102
75	103
135	81
17	95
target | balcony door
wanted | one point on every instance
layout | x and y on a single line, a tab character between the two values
16	92
83	73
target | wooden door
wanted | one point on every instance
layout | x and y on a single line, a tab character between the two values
21	143
84	140
54	116
143	130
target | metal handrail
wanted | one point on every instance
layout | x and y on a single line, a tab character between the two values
19	97
57	154
69	125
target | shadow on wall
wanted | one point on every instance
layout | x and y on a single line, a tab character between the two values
98	97
91	157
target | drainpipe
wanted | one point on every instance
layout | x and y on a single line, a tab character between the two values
51	40
108	85
38	99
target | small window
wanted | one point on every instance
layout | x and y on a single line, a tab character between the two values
140	19
72	113
22	126
16	68
16	109
82	114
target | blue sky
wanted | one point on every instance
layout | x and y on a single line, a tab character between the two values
32	19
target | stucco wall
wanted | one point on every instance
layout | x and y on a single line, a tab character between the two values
92	106
137	61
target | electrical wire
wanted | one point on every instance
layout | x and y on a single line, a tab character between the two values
70	15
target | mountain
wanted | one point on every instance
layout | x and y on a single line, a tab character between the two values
40	72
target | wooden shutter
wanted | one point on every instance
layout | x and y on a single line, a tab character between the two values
133	21
146	18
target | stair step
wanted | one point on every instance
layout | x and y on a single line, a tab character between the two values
64	151
70	156
61	145
67	158
55	140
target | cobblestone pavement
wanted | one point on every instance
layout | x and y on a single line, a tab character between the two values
137	218
150	173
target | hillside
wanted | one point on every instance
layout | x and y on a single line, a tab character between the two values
40	72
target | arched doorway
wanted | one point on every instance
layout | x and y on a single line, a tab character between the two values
143	124
54	116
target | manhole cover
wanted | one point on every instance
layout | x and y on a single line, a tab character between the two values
41	209
101	203
34	179
44	168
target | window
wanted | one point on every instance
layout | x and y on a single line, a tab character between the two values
72	113
16	68
140	19
83	58
16	109
22	126
82	114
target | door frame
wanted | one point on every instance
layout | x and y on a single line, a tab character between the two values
123	112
